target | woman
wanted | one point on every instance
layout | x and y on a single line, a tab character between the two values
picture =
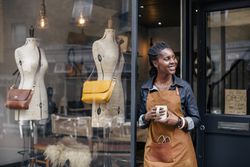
168	142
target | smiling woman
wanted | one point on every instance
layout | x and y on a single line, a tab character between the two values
166	89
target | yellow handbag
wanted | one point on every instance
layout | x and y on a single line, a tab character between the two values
98	91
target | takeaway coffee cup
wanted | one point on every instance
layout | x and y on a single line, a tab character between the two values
165	108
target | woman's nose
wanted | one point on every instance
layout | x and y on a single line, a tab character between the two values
172	60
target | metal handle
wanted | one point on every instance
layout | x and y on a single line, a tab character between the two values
202	128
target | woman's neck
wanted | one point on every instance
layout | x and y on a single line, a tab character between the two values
163	82
163	79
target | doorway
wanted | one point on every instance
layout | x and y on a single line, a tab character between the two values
158	20
223	67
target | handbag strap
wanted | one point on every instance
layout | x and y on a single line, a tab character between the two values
71	56
38	68
119	59
72	60
114	76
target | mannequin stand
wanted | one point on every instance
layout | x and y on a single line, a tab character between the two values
29	134
106	136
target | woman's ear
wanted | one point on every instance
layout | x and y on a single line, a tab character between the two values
155	63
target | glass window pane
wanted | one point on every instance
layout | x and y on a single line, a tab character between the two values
228	59
74	41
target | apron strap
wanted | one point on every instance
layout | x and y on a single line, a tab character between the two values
177	91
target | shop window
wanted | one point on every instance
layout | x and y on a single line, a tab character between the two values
228	42
74	41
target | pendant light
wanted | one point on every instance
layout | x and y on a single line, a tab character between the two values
81	12
42	22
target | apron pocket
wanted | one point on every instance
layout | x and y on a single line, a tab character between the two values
160	152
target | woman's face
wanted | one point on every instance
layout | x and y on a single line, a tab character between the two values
166	62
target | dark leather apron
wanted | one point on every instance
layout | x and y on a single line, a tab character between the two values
167	146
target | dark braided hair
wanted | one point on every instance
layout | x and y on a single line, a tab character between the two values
153	53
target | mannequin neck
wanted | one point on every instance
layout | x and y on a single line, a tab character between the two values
109	34
31	41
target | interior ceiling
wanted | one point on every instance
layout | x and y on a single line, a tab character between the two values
153	11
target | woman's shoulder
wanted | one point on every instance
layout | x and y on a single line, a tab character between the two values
181	82
147	84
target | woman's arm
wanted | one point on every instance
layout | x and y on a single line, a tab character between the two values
142	111
192	113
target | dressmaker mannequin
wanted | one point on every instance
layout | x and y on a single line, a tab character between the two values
28	55
106	54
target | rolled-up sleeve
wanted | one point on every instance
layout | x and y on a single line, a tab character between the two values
142	111
192	113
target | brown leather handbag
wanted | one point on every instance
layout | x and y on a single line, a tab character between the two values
20	98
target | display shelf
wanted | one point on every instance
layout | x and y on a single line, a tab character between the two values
71	125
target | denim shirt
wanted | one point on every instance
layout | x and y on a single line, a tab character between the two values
188	102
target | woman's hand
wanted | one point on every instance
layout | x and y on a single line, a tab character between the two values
150	114
171	120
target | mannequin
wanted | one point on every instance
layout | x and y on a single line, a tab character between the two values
106	54
28	55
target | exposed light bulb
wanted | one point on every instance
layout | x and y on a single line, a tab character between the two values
42	23
43	20
81	20
81	12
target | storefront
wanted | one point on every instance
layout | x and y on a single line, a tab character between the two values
57	46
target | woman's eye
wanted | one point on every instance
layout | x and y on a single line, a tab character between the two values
168	58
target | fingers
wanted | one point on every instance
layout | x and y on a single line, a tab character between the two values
158	119
172	115
157	115
170	120
162	110
151	114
